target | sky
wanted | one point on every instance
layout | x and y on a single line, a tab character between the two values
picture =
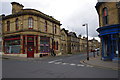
72	14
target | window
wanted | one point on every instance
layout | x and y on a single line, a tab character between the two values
17	24
105	16
8	25
55	29
30	22
44	44
56	45
46	26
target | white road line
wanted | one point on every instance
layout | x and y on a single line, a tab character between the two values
54	61
64	63
58	62
89	66
80	65
72	64
51	62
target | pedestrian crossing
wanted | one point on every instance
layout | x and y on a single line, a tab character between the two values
57	62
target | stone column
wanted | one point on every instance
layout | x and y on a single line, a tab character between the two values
38	44
21	44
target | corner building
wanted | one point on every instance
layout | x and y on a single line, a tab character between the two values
29	32
109	30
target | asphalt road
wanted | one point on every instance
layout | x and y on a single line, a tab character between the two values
54	67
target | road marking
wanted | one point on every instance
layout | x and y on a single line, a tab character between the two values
64	63
72	64
89	66
58	62
80	65
51	62
54	61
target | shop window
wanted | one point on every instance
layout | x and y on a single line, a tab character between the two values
8	25
30	22
44	44
12	46
45	26
105	16
17	24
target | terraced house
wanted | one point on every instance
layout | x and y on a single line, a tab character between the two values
29	32
64	44
73	43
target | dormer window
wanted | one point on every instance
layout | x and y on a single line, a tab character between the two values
105	16
30	23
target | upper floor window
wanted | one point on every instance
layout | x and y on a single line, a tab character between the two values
17	24
105	16
46	26
30	22
55	29
8	25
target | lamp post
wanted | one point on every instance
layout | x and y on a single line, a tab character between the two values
87	39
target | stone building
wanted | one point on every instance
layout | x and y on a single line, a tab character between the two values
29	32
84	44
109	30
73	43
93	44
64	45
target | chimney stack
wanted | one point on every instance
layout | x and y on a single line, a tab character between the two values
16	7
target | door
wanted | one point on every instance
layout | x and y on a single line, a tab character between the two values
30	46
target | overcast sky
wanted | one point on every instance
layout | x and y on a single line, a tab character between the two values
71	13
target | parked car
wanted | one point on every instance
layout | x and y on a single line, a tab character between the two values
98	49
92	50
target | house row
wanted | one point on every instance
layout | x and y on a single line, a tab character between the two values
70	43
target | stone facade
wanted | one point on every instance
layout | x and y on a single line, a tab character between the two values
64	45
41	26
109	30
73	43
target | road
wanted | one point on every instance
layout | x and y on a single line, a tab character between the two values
54	67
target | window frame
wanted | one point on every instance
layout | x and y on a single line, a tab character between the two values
105	16
57	45
55	29
8	25
17	24
45	26
30	23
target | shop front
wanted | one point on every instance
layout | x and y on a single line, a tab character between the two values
12	45
29	46
110	36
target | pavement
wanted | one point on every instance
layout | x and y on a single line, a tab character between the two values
97	62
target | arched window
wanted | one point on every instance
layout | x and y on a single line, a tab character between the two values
46	26
30	22
8	25
105	16
17	24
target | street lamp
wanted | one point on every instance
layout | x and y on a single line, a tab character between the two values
87	39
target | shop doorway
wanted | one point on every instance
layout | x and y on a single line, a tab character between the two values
30	46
